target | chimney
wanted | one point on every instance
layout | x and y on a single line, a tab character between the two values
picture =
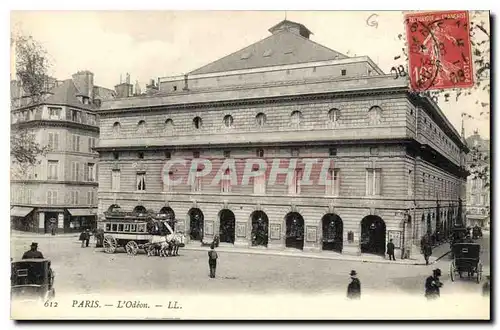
84	81
186	88
124	89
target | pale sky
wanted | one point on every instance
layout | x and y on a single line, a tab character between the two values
152	44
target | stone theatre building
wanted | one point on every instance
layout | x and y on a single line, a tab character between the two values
397	162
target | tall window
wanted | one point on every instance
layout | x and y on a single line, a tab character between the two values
411	185
259	184
294	186
75	171
115	180
75	196
169	126
52	197
91	144
90	197
116	128
167	184
53	169
53	141
141	127
296	118
260	119
333	116
90	174
333	182
260	153
196	187
76	142
375	115
197	122
141	181
373	181
228	121
76	116
226	182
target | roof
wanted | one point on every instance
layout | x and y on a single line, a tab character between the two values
66	94
281	48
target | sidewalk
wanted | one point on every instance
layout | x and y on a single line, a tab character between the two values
24	234
437	254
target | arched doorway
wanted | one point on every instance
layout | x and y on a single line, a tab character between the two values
139	209
260	225
333	231
294	230
195	224
373	235
168	215
227	226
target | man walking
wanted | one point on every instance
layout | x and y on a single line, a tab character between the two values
390	250
427	251
487	287
212	260
432	285
33	253
354	288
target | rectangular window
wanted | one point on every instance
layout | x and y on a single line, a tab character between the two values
227	154
167	183
76	116
259	184
333	182
52	197
114	227
120	227
196	187
333	152
53	170
76	143
196	154
90	197
75	197
411	186
30	196
226	182
141	181
55	113
133	228
344	72
373	181
115	180
91	172
108	227
53	141
294	186
75	171
126	228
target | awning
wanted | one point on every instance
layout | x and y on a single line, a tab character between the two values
18	211
81	212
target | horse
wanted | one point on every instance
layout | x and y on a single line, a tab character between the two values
175	241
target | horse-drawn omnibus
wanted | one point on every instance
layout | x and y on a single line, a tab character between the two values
135	231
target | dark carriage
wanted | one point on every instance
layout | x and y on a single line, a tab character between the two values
466	260
32	281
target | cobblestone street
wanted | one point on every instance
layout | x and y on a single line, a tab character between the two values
90	270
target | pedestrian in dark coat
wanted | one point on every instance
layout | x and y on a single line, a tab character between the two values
212	260
487	287
390	250
87	237
427	252
354	288
432	285
33	253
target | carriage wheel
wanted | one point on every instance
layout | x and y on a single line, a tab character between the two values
452	271
110	244
131	248
479	272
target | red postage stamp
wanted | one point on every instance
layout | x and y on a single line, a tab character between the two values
439	50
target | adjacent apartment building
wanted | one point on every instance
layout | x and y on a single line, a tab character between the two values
396	164
478	193
60	191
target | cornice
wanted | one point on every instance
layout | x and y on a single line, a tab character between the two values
54	123
73	183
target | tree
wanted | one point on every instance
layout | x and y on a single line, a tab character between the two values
31	71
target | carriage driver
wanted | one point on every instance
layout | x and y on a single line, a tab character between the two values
33	252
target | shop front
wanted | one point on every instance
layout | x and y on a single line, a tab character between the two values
23	219
81	219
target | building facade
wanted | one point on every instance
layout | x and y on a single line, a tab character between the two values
61	190
396	163
478	192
